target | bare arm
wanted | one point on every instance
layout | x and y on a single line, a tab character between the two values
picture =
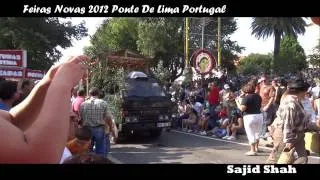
25	113
109	122
272	98
45	140
240	106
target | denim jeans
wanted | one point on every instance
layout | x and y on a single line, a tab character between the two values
212	109
268	117
107	144
98	140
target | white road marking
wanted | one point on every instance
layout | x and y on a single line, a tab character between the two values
233	142
114	160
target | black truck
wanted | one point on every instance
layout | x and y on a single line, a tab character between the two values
145	107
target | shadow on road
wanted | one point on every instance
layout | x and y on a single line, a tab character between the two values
174	147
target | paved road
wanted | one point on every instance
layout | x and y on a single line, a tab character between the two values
183	148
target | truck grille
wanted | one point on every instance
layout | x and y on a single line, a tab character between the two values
150	115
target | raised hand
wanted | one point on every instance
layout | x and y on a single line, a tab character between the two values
70	72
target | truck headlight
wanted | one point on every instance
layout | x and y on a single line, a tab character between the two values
131	119
134	119
128	119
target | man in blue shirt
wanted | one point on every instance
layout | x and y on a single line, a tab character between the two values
8	94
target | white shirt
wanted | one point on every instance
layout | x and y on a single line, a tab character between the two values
315	91
65	155
198	107
307	106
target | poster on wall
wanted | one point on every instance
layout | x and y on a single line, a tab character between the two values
11	72
34	74
13	58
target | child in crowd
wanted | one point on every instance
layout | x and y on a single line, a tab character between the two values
192	119
235	125
203	123
80	144
221	131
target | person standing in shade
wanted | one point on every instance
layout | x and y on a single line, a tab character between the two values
267	94
25	89
213	98
8	94
78	101
252	116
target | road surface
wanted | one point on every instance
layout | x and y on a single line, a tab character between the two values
184	148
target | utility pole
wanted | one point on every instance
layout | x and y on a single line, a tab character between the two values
219	43
202	33
187	42
202	42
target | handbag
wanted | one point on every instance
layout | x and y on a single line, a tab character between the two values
287	156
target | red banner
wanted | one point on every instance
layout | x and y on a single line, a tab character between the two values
34	74
15	58
11	72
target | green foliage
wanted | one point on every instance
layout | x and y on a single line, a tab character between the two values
314	58
229	48
264	27
107	79
162	39
114	34
41	37
292	56
110	81
255	64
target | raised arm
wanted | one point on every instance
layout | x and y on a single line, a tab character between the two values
25	113
45	140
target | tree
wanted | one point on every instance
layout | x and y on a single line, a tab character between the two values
41	37
291	57
229	49
162	39
314	58
255	64
114	34
278	27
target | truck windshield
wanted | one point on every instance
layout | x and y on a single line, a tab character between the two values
143	89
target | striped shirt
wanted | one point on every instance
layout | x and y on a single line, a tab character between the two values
93	112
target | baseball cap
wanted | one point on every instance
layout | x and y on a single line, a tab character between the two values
226	86
261	79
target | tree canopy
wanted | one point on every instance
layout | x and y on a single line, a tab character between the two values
264	27
41	37
162	39
314	58
291	56
229	49
255	64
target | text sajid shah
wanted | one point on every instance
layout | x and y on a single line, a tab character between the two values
257	169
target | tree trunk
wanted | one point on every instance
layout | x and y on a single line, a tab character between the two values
276	51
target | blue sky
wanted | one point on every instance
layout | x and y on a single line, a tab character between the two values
242	35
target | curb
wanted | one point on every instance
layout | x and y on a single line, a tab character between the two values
314	156
114	160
